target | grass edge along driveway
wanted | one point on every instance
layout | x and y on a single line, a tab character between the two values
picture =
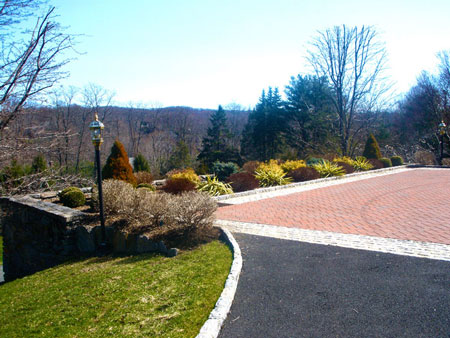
135	296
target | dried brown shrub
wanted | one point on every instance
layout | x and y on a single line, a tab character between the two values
142	211
251	166
243	181
143	177
424	157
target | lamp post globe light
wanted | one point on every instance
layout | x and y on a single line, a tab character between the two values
96	128
441	129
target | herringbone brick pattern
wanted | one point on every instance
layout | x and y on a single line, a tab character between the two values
412	205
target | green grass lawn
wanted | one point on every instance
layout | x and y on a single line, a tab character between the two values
137	296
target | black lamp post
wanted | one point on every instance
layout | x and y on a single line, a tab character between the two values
96	128
441	128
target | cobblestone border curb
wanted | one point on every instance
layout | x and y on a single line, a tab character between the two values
387	245
212	326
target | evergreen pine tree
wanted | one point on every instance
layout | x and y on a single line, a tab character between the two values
118	166
263	135
141	164
39	164
216	144
180	158
372	149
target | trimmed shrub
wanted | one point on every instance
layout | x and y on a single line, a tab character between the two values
213	187
117	165
72	197
386	162
143	177
289	166
396	161
328	169
348	168
372	149
304	174
222	170
271	174
39	164
187	173
178	185
424	157
361	164
343	159
251	166
376	164
243	181
141	164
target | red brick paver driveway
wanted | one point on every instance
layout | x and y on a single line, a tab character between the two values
411	205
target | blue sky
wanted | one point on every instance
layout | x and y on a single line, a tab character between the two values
203	53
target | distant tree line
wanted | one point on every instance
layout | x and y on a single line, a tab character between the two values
329	111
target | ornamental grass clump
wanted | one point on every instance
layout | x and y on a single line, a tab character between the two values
213	187
290	165
360	163
270	174
328	169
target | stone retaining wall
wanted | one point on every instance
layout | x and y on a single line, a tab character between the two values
38	235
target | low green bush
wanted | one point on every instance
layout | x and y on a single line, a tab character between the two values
222	170
386	162
328	169
213	187
72	197
310	161
396	161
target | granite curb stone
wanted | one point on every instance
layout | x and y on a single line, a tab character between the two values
212	326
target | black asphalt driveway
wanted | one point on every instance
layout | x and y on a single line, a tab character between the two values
295	289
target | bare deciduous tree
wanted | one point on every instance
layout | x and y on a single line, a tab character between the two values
353	61
27	68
